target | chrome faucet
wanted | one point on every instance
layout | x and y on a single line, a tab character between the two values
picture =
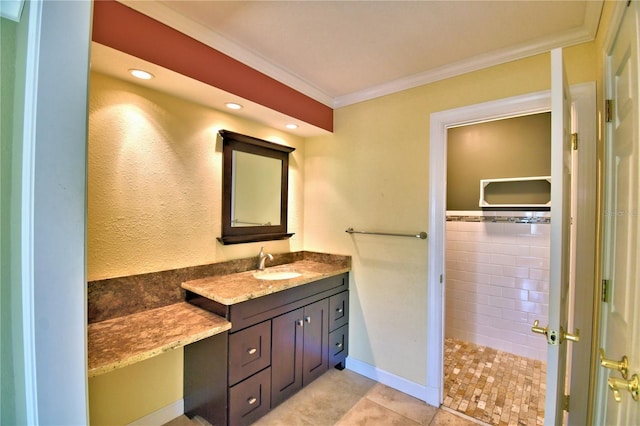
262	258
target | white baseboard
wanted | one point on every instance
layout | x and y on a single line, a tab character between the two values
396	382
423	393
161	416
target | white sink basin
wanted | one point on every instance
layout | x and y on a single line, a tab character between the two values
276	275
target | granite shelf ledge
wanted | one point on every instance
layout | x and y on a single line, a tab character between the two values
123	341
242	286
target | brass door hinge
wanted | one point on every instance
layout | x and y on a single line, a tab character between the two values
608	110
567	399
574	141
605	290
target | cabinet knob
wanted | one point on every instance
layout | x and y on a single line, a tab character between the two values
252	351
252	400
339	310
339	345
300	323
308	320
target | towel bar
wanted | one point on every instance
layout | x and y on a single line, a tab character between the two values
421	235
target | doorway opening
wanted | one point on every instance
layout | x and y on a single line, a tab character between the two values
497	268
584	220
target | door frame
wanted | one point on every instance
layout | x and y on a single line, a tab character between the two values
440	122
533	103
53	211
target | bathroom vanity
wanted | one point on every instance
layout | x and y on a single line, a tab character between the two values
251	338
285	332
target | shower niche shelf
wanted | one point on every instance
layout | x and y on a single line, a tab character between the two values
519	192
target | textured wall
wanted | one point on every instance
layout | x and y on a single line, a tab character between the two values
155	171
154	203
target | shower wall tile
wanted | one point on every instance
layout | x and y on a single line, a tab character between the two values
497	284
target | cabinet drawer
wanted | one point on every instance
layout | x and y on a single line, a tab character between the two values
251	399
338	345
249	351
338	310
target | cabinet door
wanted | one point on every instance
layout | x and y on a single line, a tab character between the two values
286	359
315	359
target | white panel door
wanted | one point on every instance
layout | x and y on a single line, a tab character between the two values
560	240
620	319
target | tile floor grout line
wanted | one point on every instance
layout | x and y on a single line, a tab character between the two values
492	385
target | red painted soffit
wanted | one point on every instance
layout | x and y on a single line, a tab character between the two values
124	29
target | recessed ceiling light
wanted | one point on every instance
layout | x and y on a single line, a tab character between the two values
233	105
291	126
144	75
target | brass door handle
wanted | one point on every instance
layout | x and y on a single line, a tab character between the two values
553	337
615	384
622	366
575	337
537	329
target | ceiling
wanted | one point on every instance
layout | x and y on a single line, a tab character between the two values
344	52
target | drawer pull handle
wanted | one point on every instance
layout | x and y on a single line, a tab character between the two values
252	400
308	320
252	351
339	345
339	310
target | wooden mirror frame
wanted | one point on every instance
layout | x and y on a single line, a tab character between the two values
232	141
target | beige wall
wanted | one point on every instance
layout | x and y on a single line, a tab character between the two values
373	174
155	182
127	394
154	203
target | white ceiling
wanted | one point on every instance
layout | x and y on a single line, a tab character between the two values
343	52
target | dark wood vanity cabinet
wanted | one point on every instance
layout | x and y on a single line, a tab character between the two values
300	349
278	344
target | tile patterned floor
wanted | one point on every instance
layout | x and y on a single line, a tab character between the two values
495	387
345	398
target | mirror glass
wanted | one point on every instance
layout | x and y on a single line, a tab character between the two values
254	189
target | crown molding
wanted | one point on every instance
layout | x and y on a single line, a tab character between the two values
197	31
168	16
476	63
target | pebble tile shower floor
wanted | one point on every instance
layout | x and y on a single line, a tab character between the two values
493	386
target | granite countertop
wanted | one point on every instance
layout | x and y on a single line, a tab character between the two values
239	287
122	341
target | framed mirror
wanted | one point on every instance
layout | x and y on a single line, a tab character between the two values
255	189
